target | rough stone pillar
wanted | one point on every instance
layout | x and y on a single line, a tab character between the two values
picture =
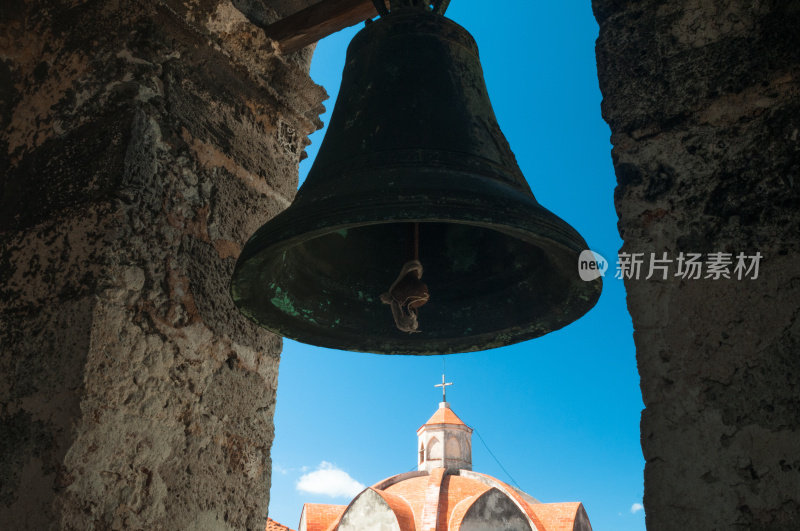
703	100
142	143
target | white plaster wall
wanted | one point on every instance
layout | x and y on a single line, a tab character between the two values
494	511
369	511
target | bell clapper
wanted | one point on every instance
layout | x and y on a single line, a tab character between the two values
408	293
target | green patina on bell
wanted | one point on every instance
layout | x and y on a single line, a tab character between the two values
413	143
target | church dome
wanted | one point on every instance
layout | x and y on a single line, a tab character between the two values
444	494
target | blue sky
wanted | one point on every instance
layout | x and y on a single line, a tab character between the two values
561	412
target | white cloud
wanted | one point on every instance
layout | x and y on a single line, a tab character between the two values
329	480
636	507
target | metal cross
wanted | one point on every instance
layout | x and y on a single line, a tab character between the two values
443	385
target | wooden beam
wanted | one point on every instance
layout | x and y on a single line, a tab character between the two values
317	21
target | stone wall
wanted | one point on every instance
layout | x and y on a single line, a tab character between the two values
703	100
142	143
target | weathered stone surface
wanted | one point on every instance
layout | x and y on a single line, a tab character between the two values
494	510
142	143
703	99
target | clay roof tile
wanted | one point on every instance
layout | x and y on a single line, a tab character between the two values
444	415
272	525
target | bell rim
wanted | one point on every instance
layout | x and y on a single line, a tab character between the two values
581	298
291	233
408	196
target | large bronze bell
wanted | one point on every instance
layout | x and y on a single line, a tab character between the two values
413	166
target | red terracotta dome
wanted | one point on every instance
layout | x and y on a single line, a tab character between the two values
441	501
444	498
